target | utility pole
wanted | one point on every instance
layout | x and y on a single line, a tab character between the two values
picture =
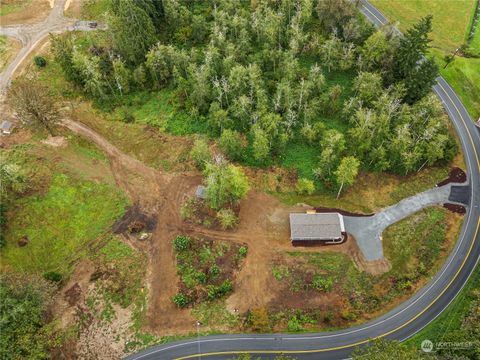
198	323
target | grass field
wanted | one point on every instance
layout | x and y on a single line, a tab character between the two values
68	206
451	24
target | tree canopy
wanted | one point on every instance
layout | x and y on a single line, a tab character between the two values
262	72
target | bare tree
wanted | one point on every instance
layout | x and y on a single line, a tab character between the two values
34	106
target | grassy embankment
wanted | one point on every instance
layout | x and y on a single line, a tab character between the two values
451	24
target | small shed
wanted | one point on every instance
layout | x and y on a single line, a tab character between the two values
6	127
201	192
316	229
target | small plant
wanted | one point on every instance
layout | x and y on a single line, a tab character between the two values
328	317
188	209
181	300
53	276
322	283
200	153
293	324
40	61
280	272
214	270
181	243
231	144
259	319
227	218
242	252
127	117
216	292
207	223
305	186
348	315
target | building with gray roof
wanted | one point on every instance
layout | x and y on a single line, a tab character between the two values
316	228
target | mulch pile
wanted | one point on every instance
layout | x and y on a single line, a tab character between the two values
340	211
456	175
133	219
455	208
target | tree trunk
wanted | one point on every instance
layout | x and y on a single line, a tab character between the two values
339	190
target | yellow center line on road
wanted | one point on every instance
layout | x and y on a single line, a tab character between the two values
388	332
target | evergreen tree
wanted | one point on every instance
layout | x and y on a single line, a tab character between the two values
411	67
132	31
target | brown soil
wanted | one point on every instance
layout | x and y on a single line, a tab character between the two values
73	8
34	11
456	175
459	209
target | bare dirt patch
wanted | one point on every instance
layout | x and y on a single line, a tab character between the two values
55	141
25	11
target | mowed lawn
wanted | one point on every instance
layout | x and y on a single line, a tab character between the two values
451	24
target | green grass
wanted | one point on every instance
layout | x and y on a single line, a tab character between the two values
160	110
303	158
451	24
475	43
463	75
451	320
413	244
60	224
372	192
94	9
125	283
451	18
14	6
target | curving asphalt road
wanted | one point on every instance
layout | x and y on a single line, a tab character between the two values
400	323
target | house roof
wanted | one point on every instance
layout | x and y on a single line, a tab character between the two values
200	192
319	226
6	125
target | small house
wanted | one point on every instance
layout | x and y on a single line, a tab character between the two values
201	192
6	127
309	229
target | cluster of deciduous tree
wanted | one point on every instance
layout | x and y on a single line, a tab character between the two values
258	68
